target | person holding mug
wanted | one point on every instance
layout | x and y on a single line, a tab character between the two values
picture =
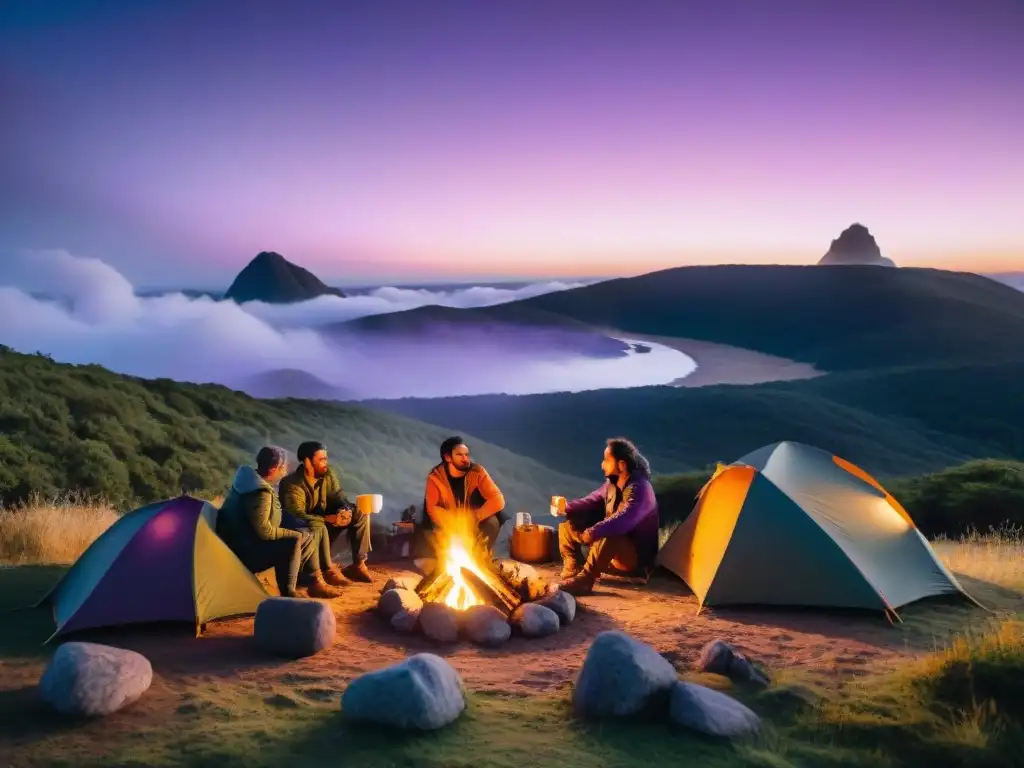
619	521
312	497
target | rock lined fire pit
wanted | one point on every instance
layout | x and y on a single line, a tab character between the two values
467	593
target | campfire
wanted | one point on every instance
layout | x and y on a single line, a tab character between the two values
466	593
466	574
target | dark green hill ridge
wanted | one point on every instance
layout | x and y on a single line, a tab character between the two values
130	440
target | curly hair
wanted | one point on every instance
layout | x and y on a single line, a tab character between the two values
624	450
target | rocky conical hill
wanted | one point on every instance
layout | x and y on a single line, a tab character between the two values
270	277
855	245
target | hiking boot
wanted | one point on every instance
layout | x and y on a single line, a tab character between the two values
335	577
358	572
570	568
320	588
581	584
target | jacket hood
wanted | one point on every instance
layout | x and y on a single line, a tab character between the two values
248	480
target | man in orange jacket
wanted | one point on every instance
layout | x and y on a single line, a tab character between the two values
458	485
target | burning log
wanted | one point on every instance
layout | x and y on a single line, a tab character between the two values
494	592
437	584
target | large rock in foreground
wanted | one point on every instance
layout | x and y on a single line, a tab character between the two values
293	627
711	712
621	676
423	692
855	245
94	680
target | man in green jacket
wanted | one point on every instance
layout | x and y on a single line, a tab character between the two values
249	522
312	498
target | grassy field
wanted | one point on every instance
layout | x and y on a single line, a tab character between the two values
132	441
958	706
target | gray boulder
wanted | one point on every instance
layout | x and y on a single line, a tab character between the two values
534	620
711	712
561	603
394	600
439	622
485	625
405	621
720	658
94	680
621	676
423	692
293	627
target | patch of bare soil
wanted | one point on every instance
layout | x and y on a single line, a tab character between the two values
662	613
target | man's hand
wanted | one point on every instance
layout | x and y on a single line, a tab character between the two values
587	537
341	518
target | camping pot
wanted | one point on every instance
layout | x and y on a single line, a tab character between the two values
532	543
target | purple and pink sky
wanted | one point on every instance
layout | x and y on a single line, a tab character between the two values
479	140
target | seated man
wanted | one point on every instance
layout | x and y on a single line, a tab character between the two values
619	521
459	484
312	498
249	522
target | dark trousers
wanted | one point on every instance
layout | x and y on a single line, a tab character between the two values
285	556
490	527
602	551
358	532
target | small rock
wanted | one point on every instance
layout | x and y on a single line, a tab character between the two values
401	582
439	622
485	625
394	600
535	620
94	680
711	712
423	692
561	603
293	627
720	658
621	676
405	621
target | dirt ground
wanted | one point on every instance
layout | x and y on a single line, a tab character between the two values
662	613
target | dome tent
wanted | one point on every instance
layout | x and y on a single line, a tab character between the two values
790	524
161	562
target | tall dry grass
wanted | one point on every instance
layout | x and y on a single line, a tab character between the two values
996	557
55	531
52	531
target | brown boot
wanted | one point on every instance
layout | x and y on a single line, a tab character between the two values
358	572
581	584
320	588
335	577
570	568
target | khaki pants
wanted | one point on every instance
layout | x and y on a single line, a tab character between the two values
602	552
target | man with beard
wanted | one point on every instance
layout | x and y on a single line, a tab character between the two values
619	521
458	485
312	498
249	522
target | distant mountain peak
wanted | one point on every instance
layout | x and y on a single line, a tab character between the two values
270	277
856	245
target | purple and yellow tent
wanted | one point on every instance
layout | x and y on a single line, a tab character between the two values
161	562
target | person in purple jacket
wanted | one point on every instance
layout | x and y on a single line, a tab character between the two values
619	521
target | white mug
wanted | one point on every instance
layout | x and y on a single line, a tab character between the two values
369	503
523	518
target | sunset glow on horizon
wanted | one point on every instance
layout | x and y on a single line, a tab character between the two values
450	140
